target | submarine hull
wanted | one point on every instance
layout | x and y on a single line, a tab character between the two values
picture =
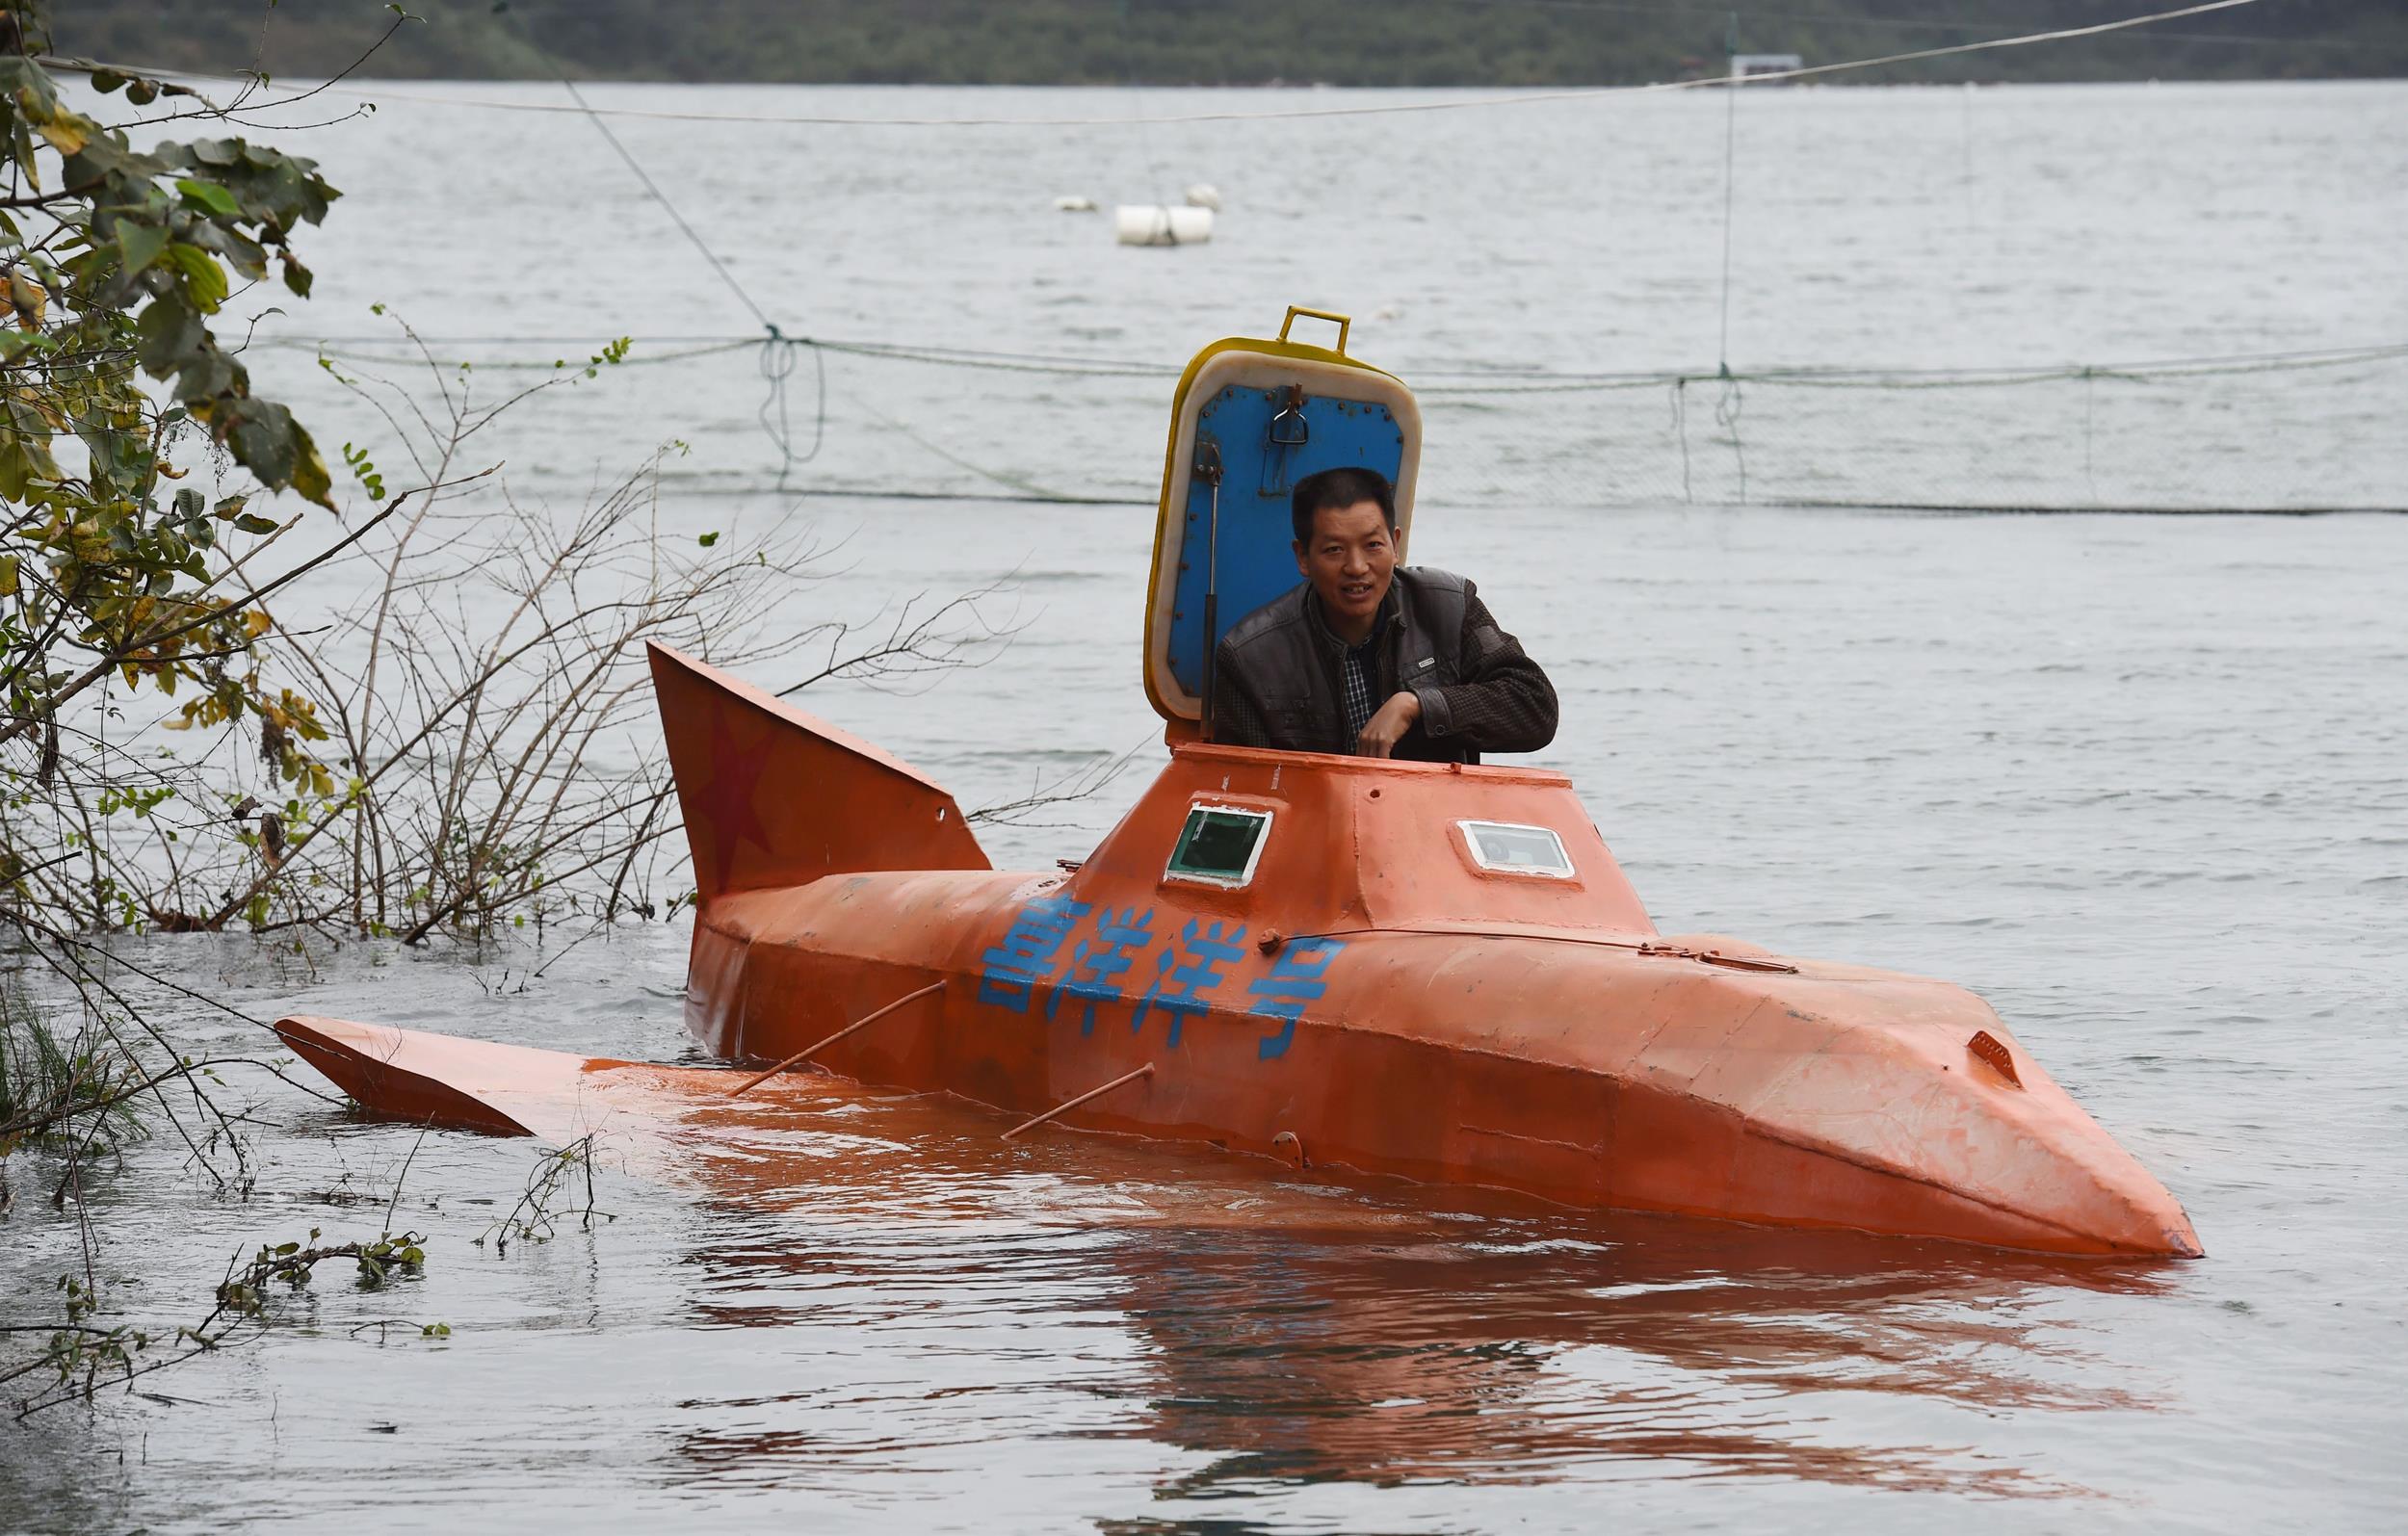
1585	1073
1426	970
1430	970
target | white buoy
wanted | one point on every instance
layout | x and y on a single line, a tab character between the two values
1072	203
1204	195
1140	224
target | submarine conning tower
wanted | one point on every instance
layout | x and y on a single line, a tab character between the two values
1306	841
1300	845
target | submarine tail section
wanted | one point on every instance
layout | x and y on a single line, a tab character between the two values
773	796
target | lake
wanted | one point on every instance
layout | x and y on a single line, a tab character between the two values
2138	780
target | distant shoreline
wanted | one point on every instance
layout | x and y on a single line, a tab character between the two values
361	85
1237	44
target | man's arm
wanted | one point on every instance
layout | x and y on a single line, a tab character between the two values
1504	703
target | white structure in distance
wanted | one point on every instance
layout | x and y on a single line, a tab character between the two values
1142	224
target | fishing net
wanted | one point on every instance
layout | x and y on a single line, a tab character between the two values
2271	433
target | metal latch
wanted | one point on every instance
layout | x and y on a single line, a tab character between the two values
1287	432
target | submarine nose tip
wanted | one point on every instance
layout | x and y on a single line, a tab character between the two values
2182	1238
2144	1218
2038	1154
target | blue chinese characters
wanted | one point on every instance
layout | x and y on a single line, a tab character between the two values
1187	969
1300	977
1175	991
1096	965
1009	971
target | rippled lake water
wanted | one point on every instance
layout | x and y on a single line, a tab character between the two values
2137	781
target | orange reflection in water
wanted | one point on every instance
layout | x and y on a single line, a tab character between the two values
1302	1327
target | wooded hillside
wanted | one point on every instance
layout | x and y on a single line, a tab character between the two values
1350	42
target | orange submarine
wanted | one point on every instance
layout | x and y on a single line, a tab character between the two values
1430	970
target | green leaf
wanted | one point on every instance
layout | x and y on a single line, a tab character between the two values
204	280
297	276
209	197
261	436
309	471
67	131
139	244
106	81
248	256
707	541
170	334
253	522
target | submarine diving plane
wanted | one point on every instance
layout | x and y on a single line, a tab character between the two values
1433	971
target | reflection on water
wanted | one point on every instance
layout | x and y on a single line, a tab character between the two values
1298	1329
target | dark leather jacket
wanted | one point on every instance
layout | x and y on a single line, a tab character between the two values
1276	678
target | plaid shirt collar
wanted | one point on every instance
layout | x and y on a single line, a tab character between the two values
1359	665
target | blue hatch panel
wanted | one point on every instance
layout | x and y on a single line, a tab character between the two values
1260	468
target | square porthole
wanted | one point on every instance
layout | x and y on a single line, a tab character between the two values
1219	845
1508	848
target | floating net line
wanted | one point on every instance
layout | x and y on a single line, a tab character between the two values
2268	433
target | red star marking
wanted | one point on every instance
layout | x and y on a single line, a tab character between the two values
725	801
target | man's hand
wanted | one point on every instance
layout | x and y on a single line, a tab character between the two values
1385	729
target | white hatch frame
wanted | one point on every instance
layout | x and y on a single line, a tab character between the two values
1564	870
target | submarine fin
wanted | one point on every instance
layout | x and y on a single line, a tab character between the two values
773	796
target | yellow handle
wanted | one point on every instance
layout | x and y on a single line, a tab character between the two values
1342	321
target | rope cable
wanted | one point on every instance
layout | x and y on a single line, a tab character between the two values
1442	378
1730	177
777	351
669	208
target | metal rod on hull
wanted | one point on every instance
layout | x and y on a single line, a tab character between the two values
808	1051
1145	1071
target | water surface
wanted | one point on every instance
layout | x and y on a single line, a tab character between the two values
2137	781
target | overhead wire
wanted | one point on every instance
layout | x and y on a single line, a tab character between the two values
777	349
667	207
1838	20
1730	181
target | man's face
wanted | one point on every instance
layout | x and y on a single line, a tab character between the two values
1350	559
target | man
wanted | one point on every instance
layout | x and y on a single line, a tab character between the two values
1371	659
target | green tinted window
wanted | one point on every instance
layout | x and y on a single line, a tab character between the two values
1219	845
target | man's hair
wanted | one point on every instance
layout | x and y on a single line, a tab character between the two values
1340	489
